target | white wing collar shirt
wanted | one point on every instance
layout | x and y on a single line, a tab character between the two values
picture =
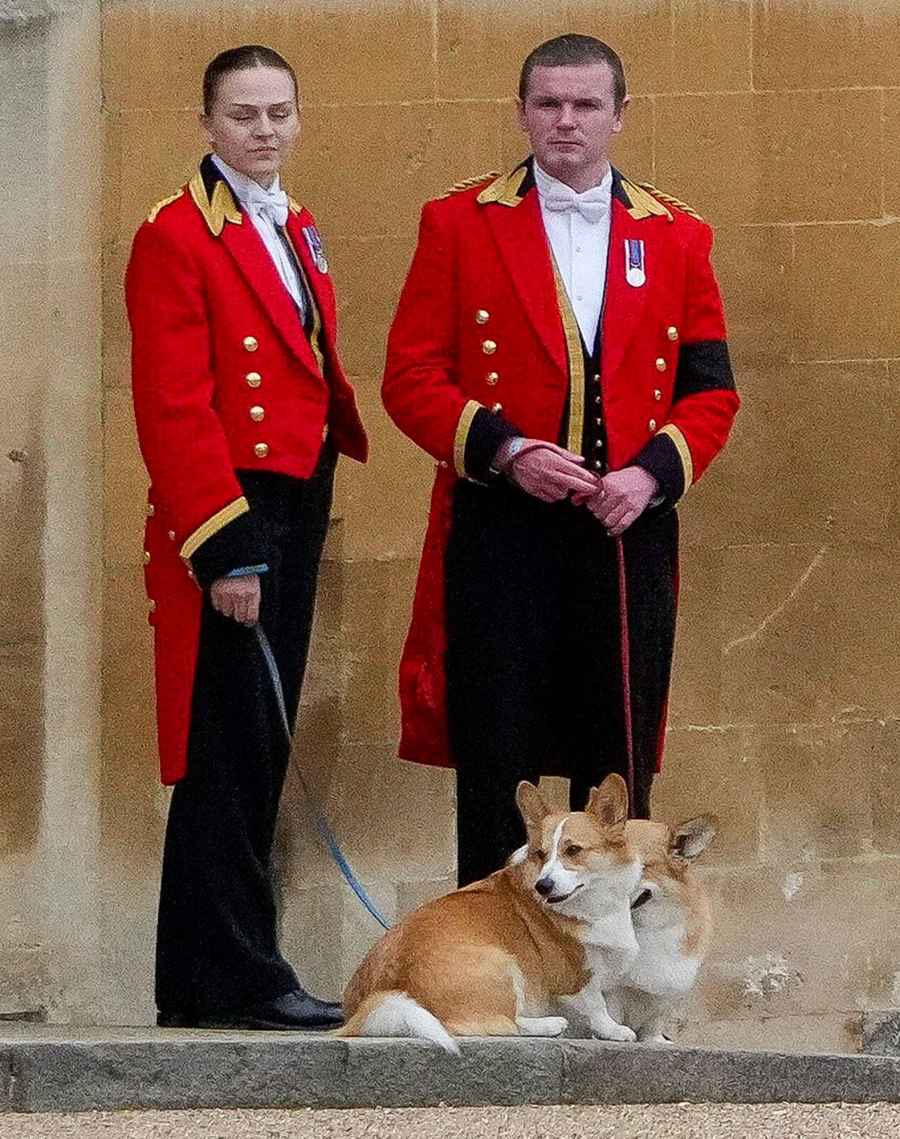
268	210
577	227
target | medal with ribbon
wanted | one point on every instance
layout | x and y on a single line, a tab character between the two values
316	249
635	274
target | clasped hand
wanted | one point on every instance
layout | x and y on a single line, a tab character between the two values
551	473
619	498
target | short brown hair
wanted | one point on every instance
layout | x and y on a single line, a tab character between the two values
240	59
572	51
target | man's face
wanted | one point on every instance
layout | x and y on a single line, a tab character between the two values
570	118
254	121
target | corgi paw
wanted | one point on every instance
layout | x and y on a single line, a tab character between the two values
542	1025
610	1030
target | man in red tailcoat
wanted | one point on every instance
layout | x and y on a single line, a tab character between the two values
242	407
559	348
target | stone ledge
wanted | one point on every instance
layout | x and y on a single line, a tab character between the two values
59	1069
881	1032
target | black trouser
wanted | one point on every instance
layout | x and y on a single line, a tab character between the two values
534	678
217	946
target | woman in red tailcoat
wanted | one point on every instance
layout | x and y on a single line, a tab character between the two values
242	408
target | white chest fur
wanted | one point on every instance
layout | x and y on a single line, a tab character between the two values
661	966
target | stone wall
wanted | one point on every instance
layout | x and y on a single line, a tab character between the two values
779	120
50	457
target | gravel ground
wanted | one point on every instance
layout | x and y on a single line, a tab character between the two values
669	1121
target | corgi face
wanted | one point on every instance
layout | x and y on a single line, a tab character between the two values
570	857
667	883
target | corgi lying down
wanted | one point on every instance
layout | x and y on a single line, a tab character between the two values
552	931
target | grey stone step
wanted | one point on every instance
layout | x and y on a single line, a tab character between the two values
881	1032
51	1069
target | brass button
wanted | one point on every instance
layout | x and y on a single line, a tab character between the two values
651	426
152	606
482	316
657	394
491	378
171	535
146	557
660	364
598	399
496	409
443	464
190	574
254	379
260	450
596	378
599	421
151	509
324	432
598	446
257	413
672	332
489	347
251	343
597	464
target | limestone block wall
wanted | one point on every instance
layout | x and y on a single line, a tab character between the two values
50	523
779	120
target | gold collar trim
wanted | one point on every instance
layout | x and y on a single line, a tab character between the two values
220	209
505	190
643	204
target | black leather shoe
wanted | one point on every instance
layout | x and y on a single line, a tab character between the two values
294	1011
173	1020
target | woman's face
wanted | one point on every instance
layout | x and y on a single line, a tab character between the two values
254	122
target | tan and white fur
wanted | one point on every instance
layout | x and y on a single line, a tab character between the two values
498	957
672	923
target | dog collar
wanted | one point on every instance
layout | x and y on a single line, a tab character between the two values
641	899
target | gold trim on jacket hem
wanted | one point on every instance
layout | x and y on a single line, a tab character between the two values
577	377
462	436
213	525
684	452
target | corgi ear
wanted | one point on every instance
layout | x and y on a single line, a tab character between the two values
531	804
608	803
691	838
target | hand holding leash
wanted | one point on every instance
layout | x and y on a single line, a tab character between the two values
549	472
621	498
237	597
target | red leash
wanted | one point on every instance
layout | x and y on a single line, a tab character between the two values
626	670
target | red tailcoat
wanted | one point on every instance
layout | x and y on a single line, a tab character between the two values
224	378
482	347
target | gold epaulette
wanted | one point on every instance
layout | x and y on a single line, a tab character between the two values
161	205
670	201
468	183
294	206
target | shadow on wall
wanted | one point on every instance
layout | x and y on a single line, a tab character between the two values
21	644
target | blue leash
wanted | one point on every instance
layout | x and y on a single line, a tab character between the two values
325	832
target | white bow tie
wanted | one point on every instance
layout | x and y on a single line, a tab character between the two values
268	203
593	205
